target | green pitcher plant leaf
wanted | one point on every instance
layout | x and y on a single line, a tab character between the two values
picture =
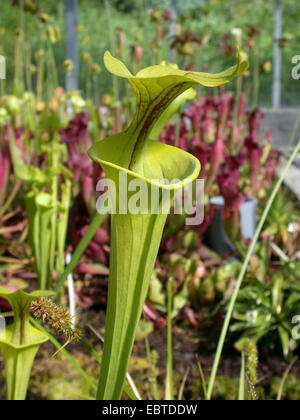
174	108
32	174
20	342
133	155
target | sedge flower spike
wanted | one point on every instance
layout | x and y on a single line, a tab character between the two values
56	317
135	238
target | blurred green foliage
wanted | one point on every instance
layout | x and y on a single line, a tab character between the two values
291	389
204	17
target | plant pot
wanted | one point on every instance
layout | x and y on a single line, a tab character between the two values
216	237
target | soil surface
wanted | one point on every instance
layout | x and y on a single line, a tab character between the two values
190	345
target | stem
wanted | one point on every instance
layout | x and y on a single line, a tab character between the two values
284	378
22	26
96	90
242	379
28	70
54	159
18	65
256	80
40	76
153	379
112	48
45	246
52	65
243	272
62	226
169	379
235	112
33	212
146	34
88	81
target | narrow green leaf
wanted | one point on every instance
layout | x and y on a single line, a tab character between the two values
242	379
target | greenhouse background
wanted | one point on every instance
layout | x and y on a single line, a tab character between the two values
101	25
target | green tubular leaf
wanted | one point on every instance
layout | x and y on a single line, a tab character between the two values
46	209
135	241
128	391
135	238
20	342
34	227
61	225
30	174
18	362
134	245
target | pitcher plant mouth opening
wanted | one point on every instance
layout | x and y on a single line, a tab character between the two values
155	89
135	238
